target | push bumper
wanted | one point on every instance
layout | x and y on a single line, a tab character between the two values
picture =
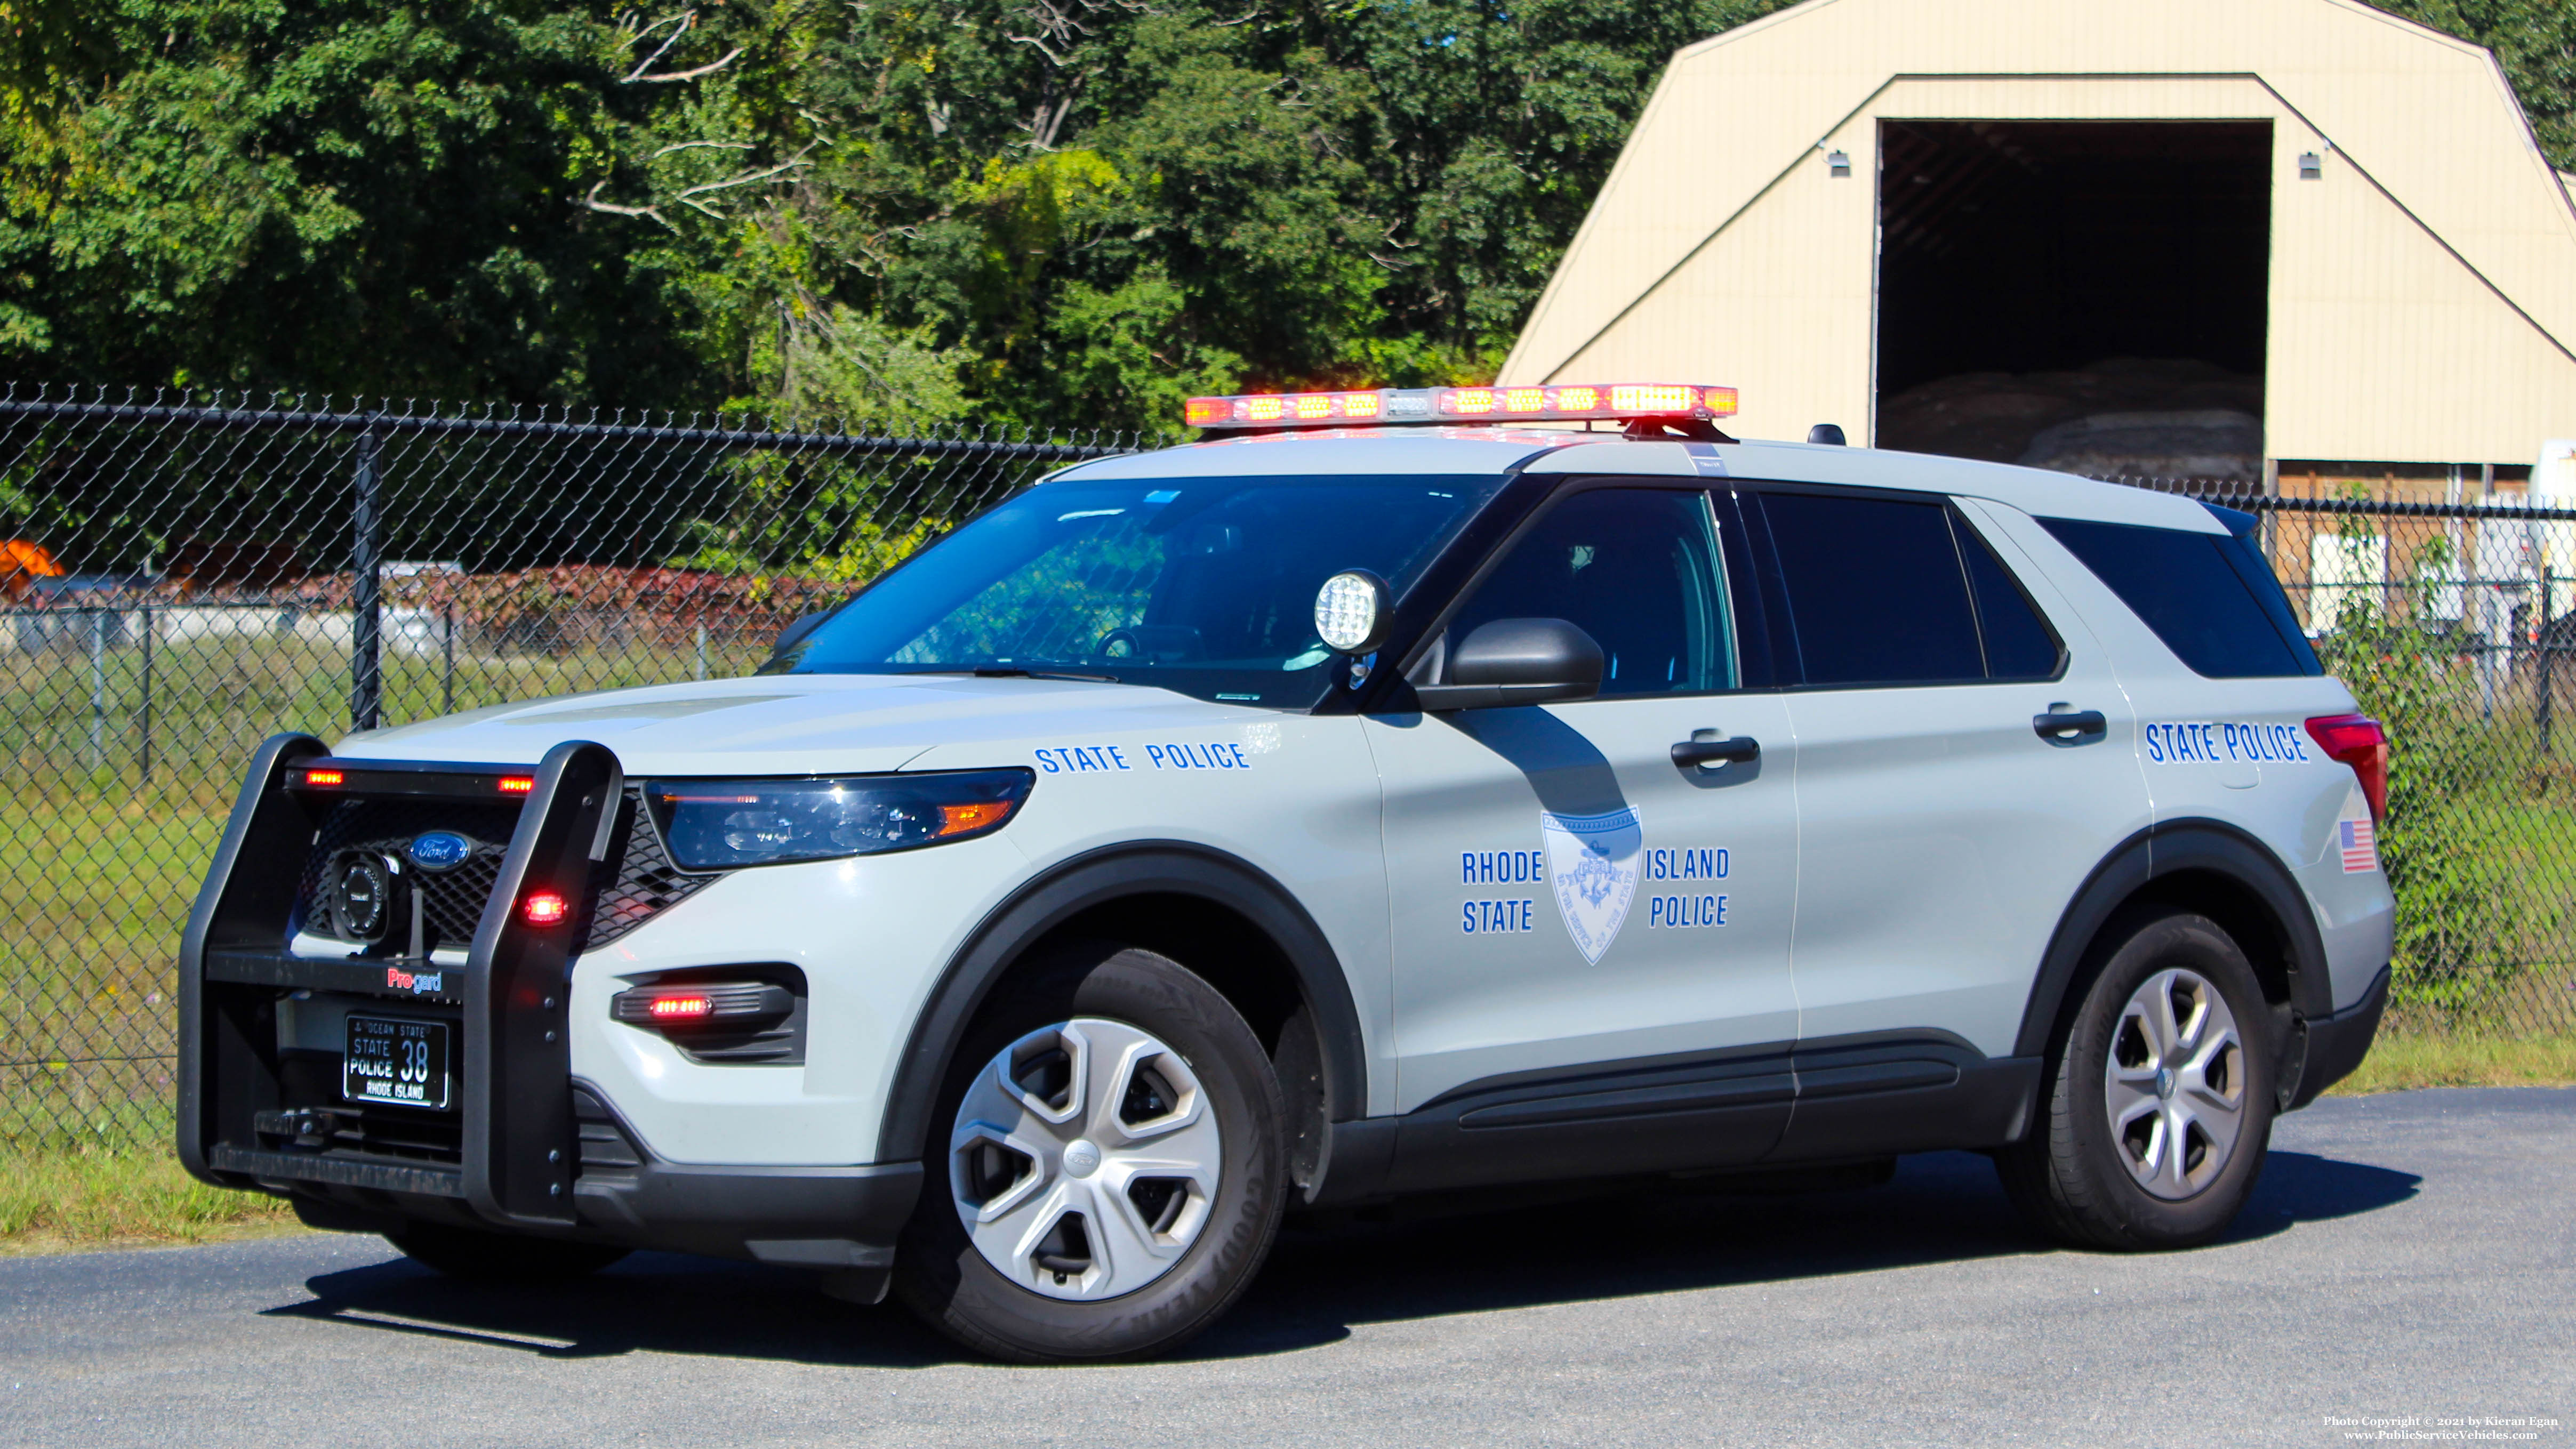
528	1148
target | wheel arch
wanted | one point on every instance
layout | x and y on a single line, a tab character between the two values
1172	897
2201	865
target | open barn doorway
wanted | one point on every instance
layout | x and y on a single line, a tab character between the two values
2087	295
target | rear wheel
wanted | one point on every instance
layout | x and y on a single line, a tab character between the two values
1112	1166
2160	1096
500	1257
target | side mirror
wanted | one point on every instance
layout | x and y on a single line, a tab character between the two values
1518	661
788	637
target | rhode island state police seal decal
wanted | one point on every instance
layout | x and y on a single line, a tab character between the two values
1592	861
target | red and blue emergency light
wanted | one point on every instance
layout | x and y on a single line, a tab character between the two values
1566	403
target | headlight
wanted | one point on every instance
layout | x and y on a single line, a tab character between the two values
724	824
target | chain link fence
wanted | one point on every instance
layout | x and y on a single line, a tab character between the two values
2453	620
181	578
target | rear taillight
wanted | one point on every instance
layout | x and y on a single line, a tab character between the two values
2358	741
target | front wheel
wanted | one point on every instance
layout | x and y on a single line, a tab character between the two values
2160	1096
1111	1170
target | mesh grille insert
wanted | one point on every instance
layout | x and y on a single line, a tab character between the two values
637	881
452	899
634	884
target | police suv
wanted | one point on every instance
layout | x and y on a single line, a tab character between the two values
1370	799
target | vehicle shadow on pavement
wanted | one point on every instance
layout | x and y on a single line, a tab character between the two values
1941	1208
1325	1276
658	1302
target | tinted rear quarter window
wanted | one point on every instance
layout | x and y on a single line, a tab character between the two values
2195	592
2019	644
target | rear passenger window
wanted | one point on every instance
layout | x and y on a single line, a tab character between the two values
1875	589
2195	596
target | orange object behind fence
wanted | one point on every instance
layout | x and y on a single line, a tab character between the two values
21	564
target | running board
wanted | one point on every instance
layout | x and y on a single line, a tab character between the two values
1857	1097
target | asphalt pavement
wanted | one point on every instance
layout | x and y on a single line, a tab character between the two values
2408	1261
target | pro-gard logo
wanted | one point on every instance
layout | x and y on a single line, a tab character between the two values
439	850
397	979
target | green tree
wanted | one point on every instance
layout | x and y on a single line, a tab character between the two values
1014	212
326	194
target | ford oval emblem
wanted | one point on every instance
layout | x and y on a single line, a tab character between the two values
440	849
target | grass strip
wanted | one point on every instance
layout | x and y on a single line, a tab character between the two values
2399	1063
80	1200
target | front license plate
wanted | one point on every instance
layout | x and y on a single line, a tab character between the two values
393	1059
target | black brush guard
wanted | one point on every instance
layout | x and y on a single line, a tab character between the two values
520	1140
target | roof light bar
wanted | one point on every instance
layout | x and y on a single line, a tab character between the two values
1576	402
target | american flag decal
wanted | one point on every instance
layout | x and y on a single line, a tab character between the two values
2360	845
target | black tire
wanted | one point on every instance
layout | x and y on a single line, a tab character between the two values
941	1276
2071	1176
500	1257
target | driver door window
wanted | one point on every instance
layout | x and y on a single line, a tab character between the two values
1637	569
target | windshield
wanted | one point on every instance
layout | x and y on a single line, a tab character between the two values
1205	586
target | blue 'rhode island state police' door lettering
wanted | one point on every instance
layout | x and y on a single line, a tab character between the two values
1563	893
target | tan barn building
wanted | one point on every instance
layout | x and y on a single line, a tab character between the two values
2203	236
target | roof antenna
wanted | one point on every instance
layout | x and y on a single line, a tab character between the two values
1829	433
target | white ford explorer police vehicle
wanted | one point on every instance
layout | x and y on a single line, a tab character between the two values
1326	812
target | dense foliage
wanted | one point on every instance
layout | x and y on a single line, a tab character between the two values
876	209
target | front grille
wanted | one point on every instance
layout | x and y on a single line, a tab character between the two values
639	881
634	884
452	899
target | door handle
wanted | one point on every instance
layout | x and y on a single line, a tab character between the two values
1738	750
2070	725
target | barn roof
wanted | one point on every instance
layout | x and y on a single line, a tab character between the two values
2422	299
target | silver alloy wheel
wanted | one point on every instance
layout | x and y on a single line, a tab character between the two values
2175	1083
1084	1159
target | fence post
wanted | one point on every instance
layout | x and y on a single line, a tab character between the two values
447	660
97	620
366	646
144	724
2548	585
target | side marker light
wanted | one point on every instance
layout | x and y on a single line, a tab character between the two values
518	784
325	777
958	819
